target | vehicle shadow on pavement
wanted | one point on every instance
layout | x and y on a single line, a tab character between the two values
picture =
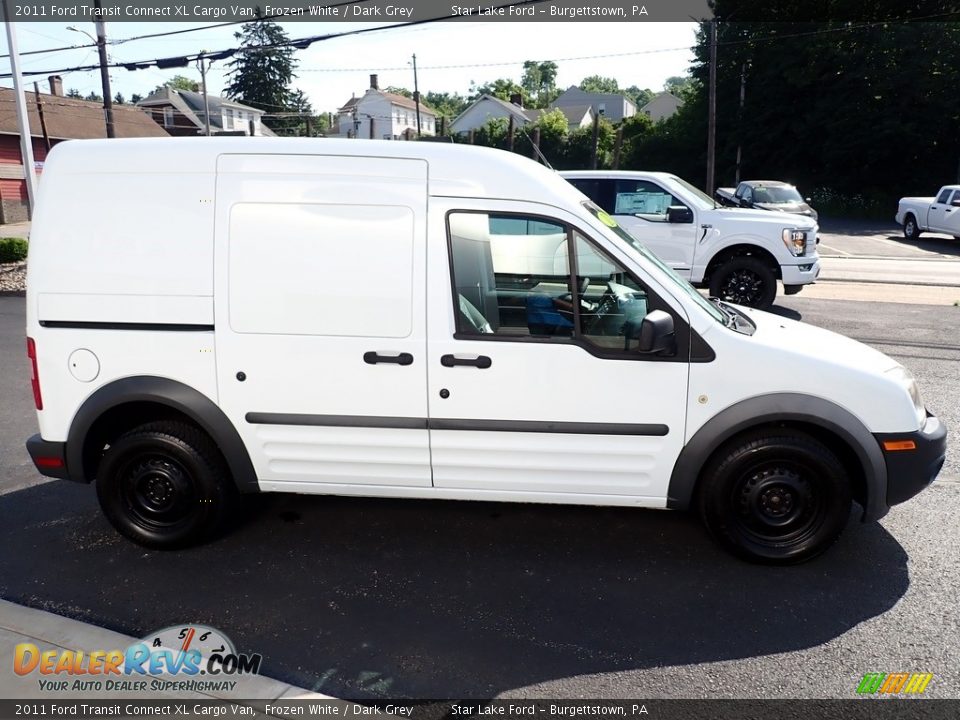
362	598
786	312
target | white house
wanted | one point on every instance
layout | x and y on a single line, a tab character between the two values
488	107
611	106
661	106
383	115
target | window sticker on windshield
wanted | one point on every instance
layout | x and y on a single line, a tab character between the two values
603	217
641	202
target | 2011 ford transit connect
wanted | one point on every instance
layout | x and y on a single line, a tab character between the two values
411	320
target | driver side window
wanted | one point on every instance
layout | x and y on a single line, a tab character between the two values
612	303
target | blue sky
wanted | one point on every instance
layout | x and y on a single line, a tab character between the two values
642	54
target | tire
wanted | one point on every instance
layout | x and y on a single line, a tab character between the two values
744	280
911	231
165	486
775	497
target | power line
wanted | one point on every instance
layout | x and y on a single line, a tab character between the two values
300	44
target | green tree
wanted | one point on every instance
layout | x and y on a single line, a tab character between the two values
74	93
501	88
178	82
599	84
680	85
639	96
448	105
118	99
94	97
399	91
540	81
261	72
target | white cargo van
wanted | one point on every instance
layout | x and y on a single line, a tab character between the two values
738	253
207	317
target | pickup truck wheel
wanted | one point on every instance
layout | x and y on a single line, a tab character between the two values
744	280
776	497
164	485
911	231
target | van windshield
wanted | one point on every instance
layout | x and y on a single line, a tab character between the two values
638	246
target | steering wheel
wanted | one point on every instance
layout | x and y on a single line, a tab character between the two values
607	304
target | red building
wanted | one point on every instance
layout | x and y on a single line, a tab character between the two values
65	119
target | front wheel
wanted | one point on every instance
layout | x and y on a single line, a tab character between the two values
911	231
164	485
776	497
744	280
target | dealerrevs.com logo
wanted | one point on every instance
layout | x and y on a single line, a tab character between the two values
192	658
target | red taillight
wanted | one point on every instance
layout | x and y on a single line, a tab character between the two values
35	380
48	462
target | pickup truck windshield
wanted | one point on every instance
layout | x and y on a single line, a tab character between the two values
699	197
636	245
776	195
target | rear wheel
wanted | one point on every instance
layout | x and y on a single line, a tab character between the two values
744	280
164	485
777	497
911	231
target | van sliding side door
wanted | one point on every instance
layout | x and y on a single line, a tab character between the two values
320	318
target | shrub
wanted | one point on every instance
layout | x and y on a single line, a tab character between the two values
12	249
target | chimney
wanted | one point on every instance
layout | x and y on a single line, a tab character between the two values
517	99
373	83
56	85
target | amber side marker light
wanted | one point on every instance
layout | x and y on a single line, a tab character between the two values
894	445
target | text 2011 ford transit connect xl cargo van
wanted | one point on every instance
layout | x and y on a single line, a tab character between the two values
415	320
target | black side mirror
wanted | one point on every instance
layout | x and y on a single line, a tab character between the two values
745	203
679	214
656	333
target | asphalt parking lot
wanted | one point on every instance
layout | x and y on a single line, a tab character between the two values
379	598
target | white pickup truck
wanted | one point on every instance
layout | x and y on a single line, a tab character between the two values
739	254
939	214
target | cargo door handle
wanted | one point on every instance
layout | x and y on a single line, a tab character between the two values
481	361
372	358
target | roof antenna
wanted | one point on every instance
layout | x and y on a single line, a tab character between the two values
542	157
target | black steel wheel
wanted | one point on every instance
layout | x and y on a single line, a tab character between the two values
778	497
164	485
744	280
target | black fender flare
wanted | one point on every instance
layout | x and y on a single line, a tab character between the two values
771	409
175	395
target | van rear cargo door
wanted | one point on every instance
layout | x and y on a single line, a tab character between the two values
320	317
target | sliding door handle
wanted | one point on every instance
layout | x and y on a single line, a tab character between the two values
481	361
372	358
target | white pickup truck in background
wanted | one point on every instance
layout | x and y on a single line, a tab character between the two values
940	214
738	253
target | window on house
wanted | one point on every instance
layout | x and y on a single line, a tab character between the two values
168	117
228	119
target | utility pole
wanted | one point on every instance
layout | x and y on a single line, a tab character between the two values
416	93
26	140
712	110
43	122
743	94
206	99
104	70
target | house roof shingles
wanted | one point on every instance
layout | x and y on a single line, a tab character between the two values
70	118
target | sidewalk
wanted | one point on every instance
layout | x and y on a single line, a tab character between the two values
15	230
47	631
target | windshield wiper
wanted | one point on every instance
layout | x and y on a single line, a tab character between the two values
729	314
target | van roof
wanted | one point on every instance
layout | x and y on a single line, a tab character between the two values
455	170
